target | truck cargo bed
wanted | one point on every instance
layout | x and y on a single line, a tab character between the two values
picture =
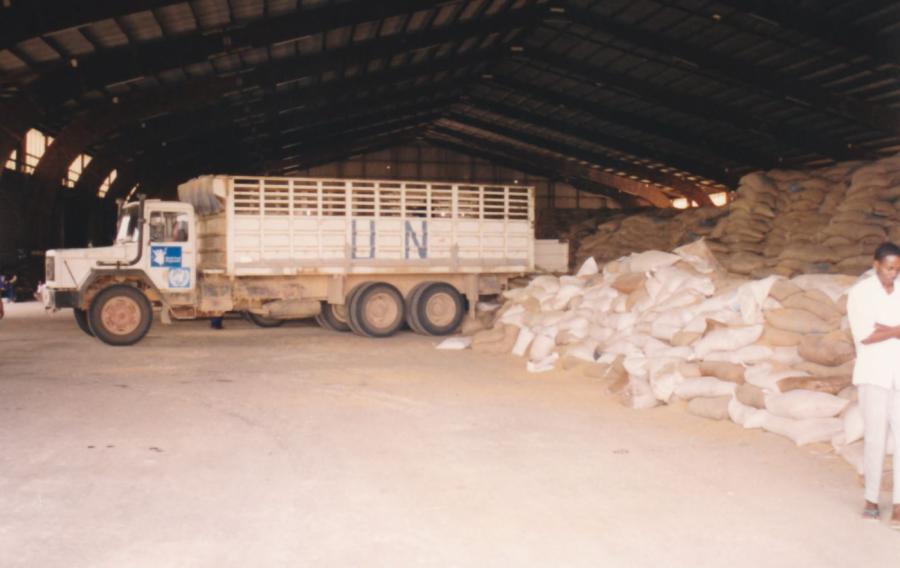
273	225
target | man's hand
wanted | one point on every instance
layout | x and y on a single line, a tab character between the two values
882	333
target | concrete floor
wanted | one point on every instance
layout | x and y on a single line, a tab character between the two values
301	447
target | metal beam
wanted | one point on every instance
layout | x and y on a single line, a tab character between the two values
531	164
679	185
703	108
349	122
375	127
341	151
140	60
594	136
882	48
691	140
571	170
743	73
26	19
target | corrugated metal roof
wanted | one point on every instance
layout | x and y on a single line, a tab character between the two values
679	85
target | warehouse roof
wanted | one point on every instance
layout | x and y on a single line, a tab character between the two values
628	98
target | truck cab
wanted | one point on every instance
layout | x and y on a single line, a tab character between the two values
152	262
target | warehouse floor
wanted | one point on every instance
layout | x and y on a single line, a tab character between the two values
301	447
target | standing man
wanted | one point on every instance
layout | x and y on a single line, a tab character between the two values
873	309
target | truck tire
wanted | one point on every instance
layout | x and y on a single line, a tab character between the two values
439	308
120	315
81	318
411	320
333	317
348	302
263	321
376	310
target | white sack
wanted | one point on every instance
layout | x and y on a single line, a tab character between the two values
545	364
727	339
766	376
588	268
651	260
523	341
455	343
751	297
638	394
804	404
704	386
803	432
744	415
743	356
543	343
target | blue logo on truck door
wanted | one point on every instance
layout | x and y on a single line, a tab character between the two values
179	278
165	257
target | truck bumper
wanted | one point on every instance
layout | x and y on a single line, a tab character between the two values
57	299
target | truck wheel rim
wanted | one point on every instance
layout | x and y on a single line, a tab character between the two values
121	315
440	309
381	310
339	312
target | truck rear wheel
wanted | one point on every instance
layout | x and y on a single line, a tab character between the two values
81	318
411	319
263	321
120	315
439	308
333	317
376	310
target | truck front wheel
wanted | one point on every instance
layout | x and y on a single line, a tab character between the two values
81	318
120	315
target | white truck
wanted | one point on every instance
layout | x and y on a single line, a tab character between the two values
360	255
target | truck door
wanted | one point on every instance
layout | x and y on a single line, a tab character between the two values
171	258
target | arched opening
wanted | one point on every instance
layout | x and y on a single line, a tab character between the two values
107	183
11	161
76	169
36	143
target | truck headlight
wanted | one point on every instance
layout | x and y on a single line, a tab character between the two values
49	269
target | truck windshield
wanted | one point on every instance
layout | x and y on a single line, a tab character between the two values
128	225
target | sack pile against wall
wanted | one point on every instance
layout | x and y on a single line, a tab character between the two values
658	328
659	229
824	221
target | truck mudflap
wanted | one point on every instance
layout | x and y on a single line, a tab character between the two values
58	299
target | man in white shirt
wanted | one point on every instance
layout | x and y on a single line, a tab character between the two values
873	309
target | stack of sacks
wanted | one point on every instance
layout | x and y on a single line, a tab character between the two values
780	222
660	327
865	216
821	221
659	229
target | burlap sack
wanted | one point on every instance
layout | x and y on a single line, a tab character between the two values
830	350
800	321
815	302
831	385
731	372
713	408
751	396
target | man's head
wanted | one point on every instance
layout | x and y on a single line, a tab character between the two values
887	263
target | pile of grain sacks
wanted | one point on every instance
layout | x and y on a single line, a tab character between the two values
662	328
781	222
660	229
